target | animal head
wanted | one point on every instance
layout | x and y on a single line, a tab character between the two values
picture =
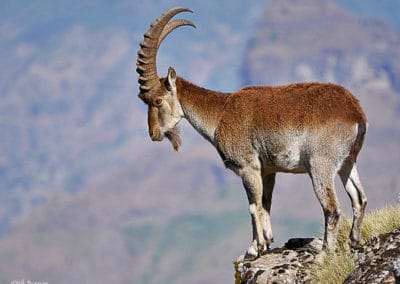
160	94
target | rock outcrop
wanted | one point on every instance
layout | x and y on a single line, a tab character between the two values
376	261
289	264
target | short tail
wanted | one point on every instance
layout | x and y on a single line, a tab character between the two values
362	129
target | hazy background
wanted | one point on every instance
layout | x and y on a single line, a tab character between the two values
86	197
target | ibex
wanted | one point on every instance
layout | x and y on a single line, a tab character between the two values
313	128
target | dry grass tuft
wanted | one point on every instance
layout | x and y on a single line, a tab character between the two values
381	221
336	266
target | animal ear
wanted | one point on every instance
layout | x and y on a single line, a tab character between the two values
171	77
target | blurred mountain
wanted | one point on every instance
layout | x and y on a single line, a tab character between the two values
86	197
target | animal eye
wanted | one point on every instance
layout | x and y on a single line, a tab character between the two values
157	102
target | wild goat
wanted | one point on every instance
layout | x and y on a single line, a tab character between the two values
312	128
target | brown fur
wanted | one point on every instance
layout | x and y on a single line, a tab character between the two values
297	105
209	104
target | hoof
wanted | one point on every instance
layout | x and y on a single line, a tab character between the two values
251	253
354	242
249	256
269	244
329	248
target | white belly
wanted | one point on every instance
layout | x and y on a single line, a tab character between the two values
285	155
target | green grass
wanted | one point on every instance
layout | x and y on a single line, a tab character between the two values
338	265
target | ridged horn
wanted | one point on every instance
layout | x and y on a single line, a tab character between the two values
172	26
147	54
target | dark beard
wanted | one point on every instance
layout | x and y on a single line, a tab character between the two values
174	138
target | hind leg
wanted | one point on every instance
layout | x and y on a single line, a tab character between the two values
351	182
322	176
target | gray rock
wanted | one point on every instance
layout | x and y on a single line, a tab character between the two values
378	260
289	264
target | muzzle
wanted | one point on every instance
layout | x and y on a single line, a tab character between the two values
156	135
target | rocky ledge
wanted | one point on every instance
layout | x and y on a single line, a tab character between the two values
289	264
376	261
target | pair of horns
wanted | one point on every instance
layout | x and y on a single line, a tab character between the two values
158	31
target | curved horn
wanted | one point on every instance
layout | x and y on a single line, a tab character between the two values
146	61
172	26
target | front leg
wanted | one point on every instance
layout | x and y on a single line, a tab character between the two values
268	187
252	181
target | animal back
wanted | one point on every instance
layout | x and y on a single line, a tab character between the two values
297	105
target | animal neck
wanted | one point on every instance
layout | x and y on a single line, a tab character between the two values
201	107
